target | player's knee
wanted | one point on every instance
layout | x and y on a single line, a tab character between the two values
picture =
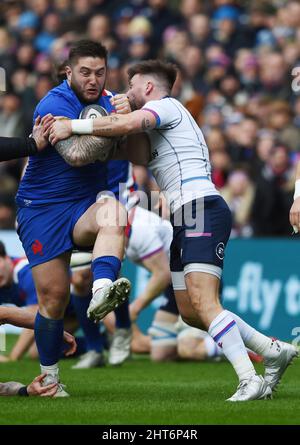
163	354
190	320
184	349
53	300
202	300
163	341
112	216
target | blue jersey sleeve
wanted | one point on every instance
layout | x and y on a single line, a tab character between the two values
57	105
26	286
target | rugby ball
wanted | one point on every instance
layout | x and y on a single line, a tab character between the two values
106	145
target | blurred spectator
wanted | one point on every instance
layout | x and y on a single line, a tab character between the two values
246	65
239	195
274	195
193	63
281	120
7	213
265	142
50	26
199	29
227	30
242	147
11	116
190	8
7	60
161	16
221	165
27	26
99	28
274	77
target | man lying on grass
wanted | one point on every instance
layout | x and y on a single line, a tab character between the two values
25	319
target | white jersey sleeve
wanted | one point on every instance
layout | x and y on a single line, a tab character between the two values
149	235
161	110
179	154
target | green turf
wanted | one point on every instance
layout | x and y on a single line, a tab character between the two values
141	392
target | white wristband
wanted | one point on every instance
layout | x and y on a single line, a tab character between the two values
82	126
297	189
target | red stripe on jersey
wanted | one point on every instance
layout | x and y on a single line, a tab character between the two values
129	222
16	261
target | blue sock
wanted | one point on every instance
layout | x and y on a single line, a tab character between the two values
106	267
49	339
122	316
94	340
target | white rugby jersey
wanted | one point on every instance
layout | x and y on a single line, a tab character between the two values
149	235
179	154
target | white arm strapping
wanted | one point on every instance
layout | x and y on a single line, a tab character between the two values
82	126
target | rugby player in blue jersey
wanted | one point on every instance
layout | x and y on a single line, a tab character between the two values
58	208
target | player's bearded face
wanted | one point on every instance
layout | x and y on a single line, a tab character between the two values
135	92
87	79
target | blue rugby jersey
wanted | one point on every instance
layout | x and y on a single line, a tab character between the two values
121	182
22	291
48	178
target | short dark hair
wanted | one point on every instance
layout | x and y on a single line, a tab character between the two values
163	70
86	48
2	250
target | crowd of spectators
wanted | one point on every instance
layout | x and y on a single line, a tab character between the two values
236	61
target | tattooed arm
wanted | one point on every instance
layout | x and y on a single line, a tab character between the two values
114	125
35	388
82	150
117	125
10	388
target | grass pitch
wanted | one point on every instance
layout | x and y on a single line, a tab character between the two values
141	392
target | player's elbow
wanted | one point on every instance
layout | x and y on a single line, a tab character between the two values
75	160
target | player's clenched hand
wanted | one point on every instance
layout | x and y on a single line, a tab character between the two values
121	103
60	129
295	215
41	129
36	389
71	342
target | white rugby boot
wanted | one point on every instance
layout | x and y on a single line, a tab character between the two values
254	388
108	298
51	378
275	366
91	359
119	350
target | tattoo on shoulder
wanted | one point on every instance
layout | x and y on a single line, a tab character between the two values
146	125
81	150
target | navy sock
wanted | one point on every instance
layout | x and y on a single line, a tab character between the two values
94	340
106	267
49	339
122	316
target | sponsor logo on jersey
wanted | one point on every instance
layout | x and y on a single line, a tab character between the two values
37	247
154	154
220	251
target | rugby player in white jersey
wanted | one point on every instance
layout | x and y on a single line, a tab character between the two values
200	217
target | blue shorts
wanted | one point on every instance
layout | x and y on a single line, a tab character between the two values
201	229
47	231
